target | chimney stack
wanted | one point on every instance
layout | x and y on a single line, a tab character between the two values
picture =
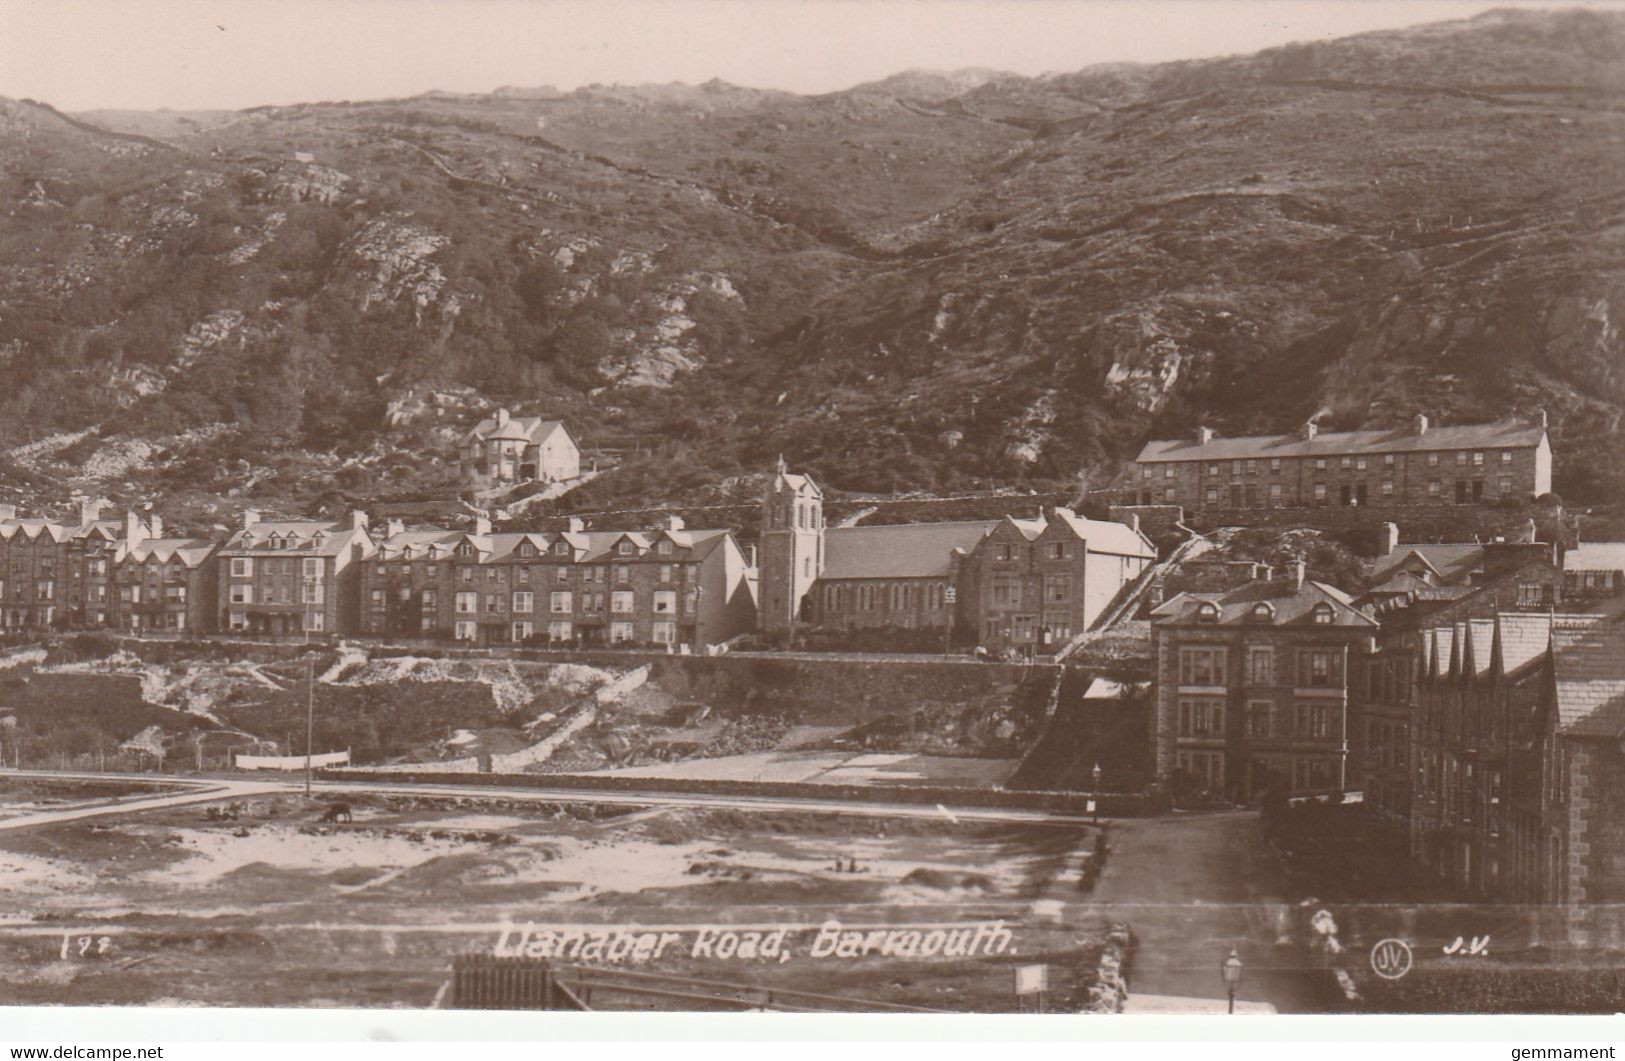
1540	419
1421	423
1134	522
394	528
577	525
1531	533
1296	571
675	523
482	525
155	525
1309	430
1388	540
135	532
90	510
358	520
502	418
1204	435
250	517
8	511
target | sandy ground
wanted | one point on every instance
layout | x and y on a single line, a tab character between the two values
276	908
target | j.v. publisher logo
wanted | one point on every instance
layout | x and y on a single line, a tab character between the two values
1391	959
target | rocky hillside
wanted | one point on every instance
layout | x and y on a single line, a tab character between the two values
927	282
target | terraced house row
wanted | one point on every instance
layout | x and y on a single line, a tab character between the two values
95	572
1424	464
668	587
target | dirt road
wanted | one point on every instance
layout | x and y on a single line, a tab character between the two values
235	788
193	791
1193	886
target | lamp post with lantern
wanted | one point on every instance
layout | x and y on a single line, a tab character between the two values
1095	773
1230	968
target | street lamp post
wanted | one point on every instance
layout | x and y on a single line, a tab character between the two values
1231	969
1095	773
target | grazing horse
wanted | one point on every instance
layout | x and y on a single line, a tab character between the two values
337	812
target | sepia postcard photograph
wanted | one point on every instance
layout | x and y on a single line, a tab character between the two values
919	508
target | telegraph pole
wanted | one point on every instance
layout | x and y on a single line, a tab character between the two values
310	715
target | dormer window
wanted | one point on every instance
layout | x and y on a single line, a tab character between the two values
665	547
434	552
465	549
527	549
623	549
1207	612
561	548
1322	613
1263	611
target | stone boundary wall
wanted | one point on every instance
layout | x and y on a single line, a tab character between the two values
1114	805
1362	526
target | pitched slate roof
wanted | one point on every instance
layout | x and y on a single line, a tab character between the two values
254	540
1105	536
1595	556
189	551
585	546
1292	605
523	428
1440	646
1453	562
1505	434
1522	638
1479	639
1588	665
32	529
901	550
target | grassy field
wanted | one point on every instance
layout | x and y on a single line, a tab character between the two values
276	908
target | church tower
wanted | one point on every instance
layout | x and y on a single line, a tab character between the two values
792	548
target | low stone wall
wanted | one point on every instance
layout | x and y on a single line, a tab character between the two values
1361	526
1112	805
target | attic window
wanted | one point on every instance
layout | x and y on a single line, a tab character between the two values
527	549
561	548
665	547
406	553
624	549
1263	611
465	549
1322	613
1207	612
